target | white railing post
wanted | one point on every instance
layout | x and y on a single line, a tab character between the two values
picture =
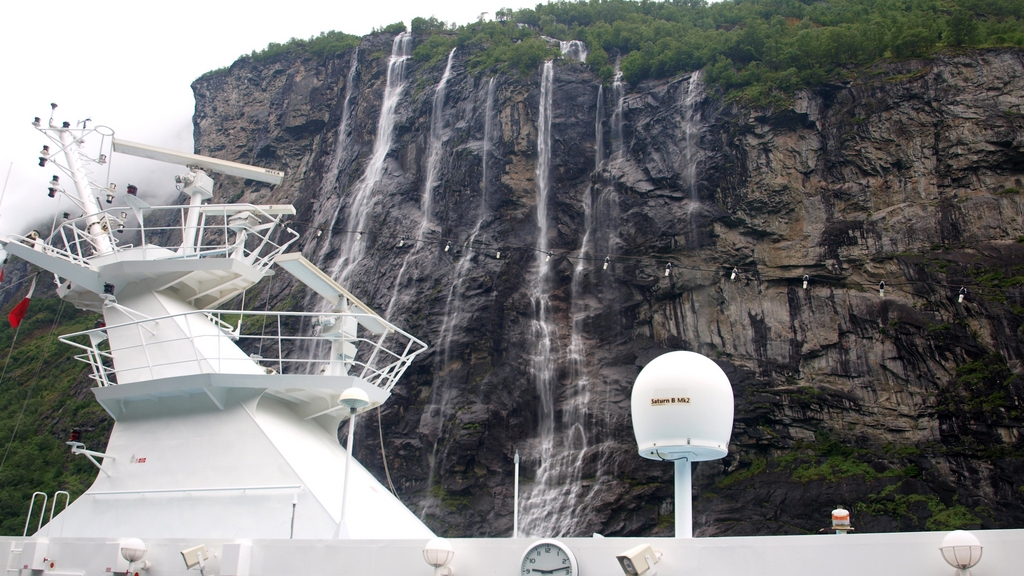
42	512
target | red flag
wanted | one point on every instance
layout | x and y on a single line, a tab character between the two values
19	311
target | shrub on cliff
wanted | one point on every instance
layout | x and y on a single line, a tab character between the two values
758	51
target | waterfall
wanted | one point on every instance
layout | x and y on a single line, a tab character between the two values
435	144
330	181
362	196
330	192
543	369
573	50
618	93
550	506
606	207
691	127
599	130
453	305
690	119
454	313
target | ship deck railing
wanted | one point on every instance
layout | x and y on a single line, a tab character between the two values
273	342
246	232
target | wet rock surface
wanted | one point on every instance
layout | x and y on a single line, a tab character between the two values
905	408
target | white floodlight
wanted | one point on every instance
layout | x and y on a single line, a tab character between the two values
639	561
439	553
961	550
195	556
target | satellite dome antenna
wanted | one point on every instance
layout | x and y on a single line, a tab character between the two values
682	407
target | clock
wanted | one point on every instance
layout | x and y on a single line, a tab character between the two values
548	558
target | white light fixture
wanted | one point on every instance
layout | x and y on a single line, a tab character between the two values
195	557
963	294
439	553
352	398
735	273
134	550
448	246
881	289
668	269
498	255
639	561
807	281
548	257
961	550
607	261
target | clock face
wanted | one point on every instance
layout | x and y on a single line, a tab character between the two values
548	558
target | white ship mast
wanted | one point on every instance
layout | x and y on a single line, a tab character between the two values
223	427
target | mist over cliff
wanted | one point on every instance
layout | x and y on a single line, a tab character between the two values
549	234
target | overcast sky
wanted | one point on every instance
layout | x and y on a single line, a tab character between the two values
128	65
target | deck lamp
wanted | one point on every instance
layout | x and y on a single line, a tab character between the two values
352	398
134	550
439	553
961	550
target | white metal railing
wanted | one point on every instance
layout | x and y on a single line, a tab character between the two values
42	513
241	231
277	342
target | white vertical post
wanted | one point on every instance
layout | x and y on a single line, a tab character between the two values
188	241
515	499
348	466
684	499
99	236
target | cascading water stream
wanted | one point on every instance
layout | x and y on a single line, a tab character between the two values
543	366
690	117
618	93
551	505
362	197
330	189
599	130
329	185
573	49
453	310
435	145
453	305
606	206
691	127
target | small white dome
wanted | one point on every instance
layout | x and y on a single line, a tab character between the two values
682	406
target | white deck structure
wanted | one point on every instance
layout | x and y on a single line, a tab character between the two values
226	422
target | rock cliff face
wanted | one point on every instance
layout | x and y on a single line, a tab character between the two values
574	231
